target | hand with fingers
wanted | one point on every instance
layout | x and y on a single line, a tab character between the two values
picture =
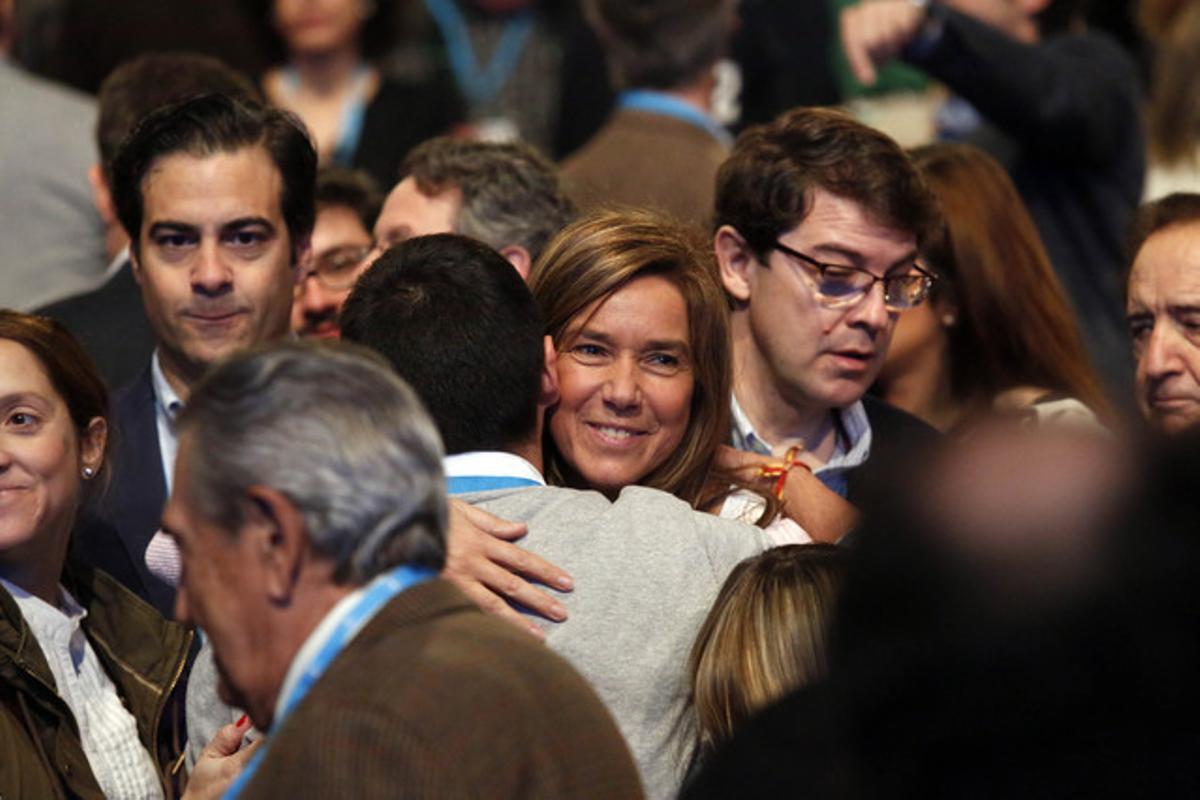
876	31
824	514
220	762
494	573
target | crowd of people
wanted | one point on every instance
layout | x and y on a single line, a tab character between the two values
352	445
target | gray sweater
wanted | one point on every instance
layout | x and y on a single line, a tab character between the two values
647	568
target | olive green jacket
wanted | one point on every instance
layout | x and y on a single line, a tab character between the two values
41	755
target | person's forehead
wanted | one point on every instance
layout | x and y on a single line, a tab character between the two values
337	223
409	208
242	181
837	225
1167	267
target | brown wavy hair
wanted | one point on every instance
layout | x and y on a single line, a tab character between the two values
1014	324
598	255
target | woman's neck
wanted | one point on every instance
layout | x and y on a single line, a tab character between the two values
328	72
924	390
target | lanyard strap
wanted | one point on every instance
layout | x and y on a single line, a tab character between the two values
462	484
663	103
377	595
480	84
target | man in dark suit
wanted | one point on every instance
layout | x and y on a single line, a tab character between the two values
319	592
812	211
109	321
216	196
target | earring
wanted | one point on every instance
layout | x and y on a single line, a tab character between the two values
88	473
948	320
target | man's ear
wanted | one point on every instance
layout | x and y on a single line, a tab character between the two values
519	257
548	395
277	540
102	195
735	260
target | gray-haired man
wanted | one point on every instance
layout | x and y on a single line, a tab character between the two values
309	508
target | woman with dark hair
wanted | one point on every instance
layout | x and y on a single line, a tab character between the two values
88	668
358	115
997	334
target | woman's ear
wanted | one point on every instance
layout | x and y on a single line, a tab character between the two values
548	395
92	443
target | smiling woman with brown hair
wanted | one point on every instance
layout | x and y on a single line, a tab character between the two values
87	667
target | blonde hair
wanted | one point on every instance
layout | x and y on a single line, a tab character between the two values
765	636
598	255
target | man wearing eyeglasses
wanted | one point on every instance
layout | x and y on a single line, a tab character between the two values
348	203
818	222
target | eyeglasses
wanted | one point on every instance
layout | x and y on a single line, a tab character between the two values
337	269
840	286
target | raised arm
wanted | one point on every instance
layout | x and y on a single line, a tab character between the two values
1073	97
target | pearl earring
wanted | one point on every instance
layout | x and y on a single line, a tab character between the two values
88	473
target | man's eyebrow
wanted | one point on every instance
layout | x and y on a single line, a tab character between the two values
171	226
1184	308
857	258
247	222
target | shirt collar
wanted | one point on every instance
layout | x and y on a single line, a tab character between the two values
316	640
851	450
668	105
168	401
491	463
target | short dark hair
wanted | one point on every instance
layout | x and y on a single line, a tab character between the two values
1180	208
459	324
137	87
765	187
510	192
352	189
661	44
212	124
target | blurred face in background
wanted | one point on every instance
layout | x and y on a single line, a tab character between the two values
320	26
340	243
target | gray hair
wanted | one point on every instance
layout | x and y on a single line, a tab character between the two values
511	194
335	430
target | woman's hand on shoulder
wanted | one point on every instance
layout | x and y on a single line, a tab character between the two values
483	562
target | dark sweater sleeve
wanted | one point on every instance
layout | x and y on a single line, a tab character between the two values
1069	97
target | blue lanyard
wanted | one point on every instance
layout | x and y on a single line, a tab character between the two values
480	85
354	111
662	103
376	597
462	484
